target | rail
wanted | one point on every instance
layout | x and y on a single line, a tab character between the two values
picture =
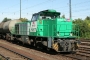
6	58
28	58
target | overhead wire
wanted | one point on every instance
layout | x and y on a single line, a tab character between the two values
10	7
41	3
76	4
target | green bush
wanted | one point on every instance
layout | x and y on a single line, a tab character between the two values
84	27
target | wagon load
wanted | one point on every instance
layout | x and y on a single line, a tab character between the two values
9	26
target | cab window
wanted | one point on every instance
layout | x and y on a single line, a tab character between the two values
35	17
49	15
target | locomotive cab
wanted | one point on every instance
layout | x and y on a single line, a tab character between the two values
45	15
49	14
35	17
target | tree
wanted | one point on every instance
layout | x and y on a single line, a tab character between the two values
23	19
63	16
87	18
84	27
79	23
6	19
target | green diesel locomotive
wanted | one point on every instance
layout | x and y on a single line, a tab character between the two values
47	30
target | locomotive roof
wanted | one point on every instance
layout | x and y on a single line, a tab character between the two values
47	11
52	11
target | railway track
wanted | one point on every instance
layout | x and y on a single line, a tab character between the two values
82	54
84	48
85	43
85	40
18	51
78	56
2	57
16	55
45	55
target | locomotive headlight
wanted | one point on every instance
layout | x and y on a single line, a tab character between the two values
57	33
70	34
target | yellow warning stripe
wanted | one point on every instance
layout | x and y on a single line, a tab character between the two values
55	46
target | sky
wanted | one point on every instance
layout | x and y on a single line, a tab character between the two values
11	8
